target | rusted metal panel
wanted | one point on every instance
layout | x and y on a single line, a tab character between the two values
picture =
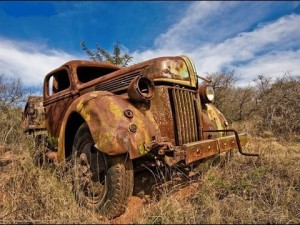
33	118
213	119
110	126
202	149
162	112
229	142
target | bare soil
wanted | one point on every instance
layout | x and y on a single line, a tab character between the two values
150	187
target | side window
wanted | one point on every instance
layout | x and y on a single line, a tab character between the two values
58	82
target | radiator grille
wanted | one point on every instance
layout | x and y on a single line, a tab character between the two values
120	83
184	114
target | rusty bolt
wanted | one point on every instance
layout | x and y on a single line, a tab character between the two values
132	128
161	151
128	113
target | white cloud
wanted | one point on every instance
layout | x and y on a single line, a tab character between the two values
271	48
275	64
249	46
176	36
29	61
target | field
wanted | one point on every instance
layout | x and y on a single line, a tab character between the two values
241	190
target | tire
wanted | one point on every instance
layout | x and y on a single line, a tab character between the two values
101	182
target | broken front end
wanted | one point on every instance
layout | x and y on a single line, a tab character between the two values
191	128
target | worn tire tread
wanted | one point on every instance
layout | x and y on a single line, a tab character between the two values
119	180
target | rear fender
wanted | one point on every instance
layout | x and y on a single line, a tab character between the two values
113	132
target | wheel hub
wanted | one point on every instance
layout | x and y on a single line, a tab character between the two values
90	188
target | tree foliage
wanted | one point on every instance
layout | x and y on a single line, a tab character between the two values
12	93
273	103
278	105
11	90
102	55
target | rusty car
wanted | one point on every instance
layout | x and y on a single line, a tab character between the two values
102	119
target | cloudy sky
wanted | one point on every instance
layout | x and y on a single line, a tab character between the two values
252	37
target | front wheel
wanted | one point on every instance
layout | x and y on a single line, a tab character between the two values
100	182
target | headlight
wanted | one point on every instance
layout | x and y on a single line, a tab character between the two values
141	89
207	93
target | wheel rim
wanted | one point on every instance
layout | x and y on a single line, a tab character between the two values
90	173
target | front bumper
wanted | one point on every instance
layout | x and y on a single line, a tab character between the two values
192	152
202	149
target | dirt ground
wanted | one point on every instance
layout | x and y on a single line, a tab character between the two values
139	203
148	187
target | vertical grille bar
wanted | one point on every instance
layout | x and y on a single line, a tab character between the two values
184	115
178	131
193	118
189	124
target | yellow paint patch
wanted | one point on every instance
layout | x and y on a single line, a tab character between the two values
93	94
115	109
213	116
142	150
80	108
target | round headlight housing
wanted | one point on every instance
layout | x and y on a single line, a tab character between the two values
207	93
141	89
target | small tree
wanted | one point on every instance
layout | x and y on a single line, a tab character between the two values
279	105
12	93
237	103
100	54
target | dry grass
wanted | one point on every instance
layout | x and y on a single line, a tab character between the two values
38	194
243	190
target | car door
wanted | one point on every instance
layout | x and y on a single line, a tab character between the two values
58	96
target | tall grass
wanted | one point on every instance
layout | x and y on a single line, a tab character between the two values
38	194
243	190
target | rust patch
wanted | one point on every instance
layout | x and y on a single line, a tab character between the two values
33	118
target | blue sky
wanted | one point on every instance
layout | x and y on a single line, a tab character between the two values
252	37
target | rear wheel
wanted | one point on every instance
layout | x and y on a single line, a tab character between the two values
100	182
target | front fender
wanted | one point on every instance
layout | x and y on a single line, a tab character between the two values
213	119
217	117
104	114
